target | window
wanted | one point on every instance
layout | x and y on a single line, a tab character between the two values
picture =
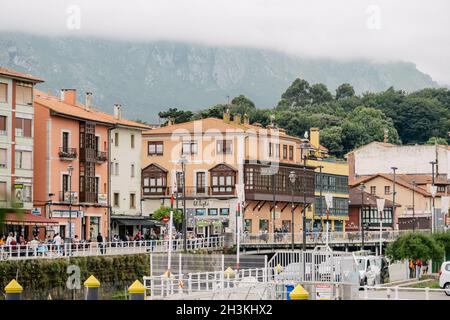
116	139
213	212
3	158
189	148
222	180
2	191
117	169
263	224
65	141
132	201
26	195
373	190
132	170
200	182
224	211
248	225
387	190
116	199
132	141
155	148
200	212
24	93
154	180
291	152
277	151
440	189
224	146
3	130
284	151
23	160
65	183
23	127
3	92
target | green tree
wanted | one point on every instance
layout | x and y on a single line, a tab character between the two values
331	138
437	140
319	93
177	116
242	105
414	245
443	239
344	91
164	211
298	94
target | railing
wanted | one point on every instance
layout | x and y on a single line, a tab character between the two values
67	153
403	293
318	237
190	191
101	156
64	196
41	250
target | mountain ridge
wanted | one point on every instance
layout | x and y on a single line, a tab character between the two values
147	77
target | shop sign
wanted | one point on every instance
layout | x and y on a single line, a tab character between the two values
201	203
36	211
102	199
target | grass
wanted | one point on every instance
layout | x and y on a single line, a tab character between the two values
432	284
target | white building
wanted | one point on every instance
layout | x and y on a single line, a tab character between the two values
125	176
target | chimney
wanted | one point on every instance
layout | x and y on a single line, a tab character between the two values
88	104
314	137
246	119
69	96
117	111
237	119
226	116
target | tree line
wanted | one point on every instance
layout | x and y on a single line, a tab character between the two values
346	120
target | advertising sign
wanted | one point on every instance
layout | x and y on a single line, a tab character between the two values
324	292
102	199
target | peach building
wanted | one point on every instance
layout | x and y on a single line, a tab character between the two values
227	161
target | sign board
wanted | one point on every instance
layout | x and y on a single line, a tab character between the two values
36	211
165	219
102	199
324	292
200	203
66	214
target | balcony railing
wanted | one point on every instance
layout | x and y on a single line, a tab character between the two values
193	192
64	196
101	156
67	153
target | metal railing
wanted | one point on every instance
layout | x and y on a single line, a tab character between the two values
48	251
67	153
403	293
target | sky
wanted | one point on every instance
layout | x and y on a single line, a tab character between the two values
380	30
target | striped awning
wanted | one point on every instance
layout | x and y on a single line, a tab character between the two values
27	219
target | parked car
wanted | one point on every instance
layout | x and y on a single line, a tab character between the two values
444	277
373	270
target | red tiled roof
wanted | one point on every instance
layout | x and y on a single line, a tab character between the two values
79	111
18	75
28	219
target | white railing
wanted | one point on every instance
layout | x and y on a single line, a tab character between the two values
41	250
403	293
318	237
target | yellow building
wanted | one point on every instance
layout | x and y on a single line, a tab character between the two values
331	176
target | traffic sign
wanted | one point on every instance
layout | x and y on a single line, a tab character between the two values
165	219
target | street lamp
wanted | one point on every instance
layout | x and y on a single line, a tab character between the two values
183	162
361	188
292	178
70	169
393	196
433	188
329	203
380	207
414	209
304	204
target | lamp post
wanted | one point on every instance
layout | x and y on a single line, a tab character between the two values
433	189
393	195
414	209
70	169
292	178
320	194
183	162
329	203
380	207
361	188
304	204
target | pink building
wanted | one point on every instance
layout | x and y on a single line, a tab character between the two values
71	164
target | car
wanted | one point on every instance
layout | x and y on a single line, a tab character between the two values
373	270
444	277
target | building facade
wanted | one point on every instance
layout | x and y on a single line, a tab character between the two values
17	139
331	177
226	162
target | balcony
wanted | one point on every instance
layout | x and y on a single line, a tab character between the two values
101	156
191	192
67	153
64	196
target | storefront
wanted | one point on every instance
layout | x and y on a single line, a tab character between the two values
129	225
28	225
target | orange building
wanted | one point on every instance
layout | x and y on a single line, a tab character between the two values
227	161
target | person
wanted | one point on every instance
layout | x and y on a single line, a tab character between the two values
57	241
411	268
418	267
100	243
9	239
425	267
33	245
2	240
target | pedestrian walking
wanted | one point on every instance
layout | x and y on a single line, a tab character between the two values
418	268
425	267
57	241
100	243
411	268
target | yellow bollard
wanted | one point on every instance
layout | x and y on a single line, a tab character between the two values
229	272
91	285
299	293
13	290
136	291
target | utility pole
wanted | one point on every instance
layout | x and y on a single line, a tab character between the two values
273	201
393	195
304	205
362	187
320	194
183	161
292	178
433	218
414	210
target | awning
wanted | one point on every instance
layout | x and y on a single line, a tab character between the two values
26	219
137	222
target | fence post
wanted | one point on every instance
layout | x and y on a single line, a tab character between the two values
136	291
396	293
91	285
13	290
427	293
